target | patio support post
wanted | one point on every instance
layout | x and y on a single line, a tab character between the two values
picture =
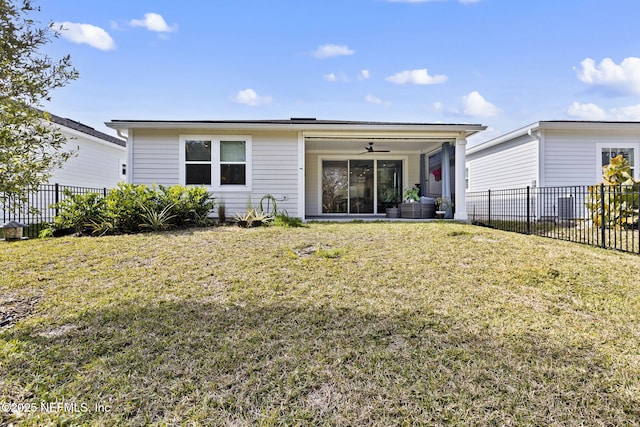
423	176
461	186
446	175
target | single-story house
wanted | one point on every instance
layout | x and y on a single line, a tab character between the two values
313	168
100	161
552	154
557	160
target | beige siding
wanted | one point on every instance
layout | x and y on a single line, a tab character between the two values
513	164
274	165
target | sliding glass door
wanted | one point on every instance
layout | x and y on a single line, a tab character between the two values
335	186
361	198
360	186
389	184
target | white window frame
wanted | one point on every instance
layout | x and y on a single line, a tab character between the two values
215	160
609	145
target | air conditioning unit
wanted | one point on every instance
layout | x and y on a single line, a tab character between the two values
566	208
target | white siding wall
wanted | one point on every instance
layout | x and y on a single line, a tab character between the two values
97	164
572	157
155	157
513	164
274	165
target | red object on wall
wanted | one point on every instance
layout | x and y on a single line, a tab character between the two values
437	173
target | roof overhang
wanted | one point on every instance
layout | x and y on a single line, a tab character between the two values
312	128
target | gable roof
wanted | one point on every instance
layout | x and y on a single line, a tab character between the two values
80	127
555	125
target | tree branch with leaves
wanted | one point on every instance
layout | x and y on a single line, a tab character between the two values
31	147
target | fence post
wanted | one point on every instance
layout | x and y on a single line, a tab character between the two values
528	210
489	209
104	192
602	227
57	197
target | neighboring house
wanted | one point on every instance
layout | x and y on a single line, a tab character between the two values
552	154
557	160
313	168
100	161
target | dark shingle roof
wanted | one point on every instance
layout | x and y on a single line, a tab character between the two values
80	127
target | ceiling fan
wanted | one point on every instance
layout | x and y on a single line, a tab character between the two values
370	149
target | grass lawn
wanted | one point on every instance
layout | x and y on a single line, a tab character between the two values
334	324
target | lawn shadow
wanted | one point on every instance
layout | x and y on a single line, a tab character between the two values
251	362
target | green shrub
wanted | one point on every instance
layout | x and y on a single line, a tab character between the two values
79	211
131	208
124	205
618	205
286	221
189	205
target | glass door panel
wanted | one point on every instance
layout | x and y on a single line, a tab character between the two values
335	186
389	184
361	189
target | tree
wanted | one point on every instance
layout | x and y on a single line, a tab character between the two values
30	147
617	202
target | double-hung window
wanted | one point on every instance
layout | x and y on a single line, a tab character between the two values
219	162
197	163
233	163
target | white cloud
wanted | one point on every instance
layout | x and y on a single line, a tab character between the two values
330	77
153	22
416	77
375	100
624	78
86	33
333	77
594	112
475	105
586	111
364	75
331	50
250	97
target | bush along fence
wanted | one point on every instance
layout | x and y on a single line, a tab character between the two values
40	209
602	215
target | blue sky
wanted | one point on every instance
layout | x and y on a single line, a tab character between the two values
500	63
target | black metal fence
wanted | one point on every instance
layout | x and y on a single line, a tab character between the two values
39	210
604	216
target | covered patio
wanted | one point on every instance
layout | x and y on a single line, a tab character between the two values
360	170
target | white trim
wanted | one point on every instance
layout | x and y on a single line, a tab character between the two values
460	162
318	129
636	156
215	160
380	156
130	138
301	176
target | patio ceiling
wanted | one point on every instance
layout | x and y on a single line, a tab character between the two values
396	145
